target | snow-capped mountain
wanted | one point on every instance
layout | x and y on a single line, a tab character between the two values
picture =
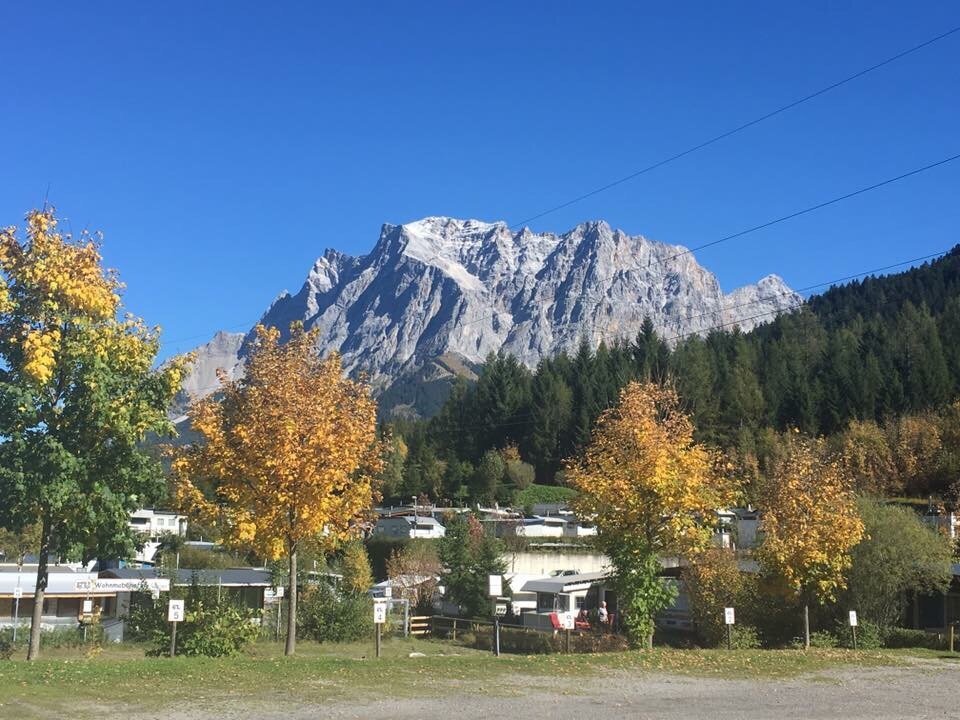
447	288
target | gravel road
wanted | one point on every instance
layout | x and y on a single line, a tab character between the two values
927	689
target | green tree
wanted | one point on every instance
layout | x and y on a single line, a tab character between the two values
897	556
79	392
488	477
469	555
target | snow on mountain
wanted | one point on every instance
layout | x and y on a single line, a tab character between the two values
443	287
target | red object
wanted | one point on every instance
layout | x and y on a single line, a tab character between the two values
555	621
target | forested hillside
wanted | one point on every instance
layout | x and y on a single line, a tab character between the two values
874	364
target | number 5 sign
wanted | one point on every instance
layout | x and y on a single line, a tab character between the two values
175	611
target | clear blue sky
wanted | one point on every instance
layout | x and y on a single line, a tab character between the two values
222	146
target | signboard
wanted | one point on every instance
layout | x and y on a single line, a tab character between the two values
273	593
175	611
853	618
387	591
379	613
728	616
88	607
567	621
501	609
109	585
17	593
494	585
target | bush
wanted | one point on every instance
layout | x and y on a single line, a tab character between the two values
906	638
324	616
820	639
869	635
217	630
537	494
534	642
210	628
6	648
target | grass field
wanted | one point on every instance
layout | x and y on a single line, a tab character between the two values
64	682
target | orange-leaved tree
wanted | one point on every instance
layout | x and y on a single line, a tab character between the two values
652	492
286	454
809	523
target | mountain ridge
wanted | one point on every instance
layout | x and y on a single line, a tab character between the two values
465	288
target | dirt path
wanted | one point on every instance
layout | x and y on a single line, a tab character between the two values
927	689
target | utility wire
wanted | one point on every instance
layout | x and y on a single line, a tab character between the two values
734	131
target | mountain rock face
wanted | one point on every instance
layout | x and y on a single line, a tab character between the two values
447	288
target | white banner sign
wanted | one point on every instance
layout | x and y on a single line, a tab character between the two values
728	616
273	593
109	585
853	618
495	585
175	611
379	613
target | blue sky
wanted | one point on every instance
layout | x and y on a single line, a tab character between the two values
222	146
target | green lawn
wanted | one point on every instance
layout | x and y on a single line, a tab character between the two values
121	679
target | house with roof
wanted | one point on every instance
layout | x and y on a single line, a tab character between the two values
63	601
251	588
408	527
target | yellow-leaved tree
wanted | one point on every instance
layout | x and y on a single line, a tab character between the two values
286	454
652	492
79	391
809	523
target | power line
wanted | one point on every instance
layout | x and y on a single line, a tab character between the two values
734	131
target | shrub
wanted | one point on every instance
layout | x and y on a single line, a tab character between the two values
210	628
217	630
325	616
869	635
907	638
6	648
820	639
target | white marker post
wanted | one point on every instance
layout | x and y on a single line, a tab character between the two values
379	618
495	590
729	618
568	622
17	594
174	615
853	627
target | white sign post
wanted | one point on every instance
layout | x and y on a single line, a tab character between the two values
17	594
729	618
853	627
495	590
174	615
379	618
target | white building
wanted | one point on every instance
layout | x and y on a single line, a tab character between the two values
409	526
153	525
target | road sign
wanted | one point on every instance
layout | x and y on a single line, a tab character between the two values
175	611
17	593
88	607
387	591
567	620
501	609
495	585
728	616
379	613
273	593
853	618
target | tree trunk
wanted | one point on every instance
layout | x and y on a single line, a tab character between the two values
806	626
291	645
36	622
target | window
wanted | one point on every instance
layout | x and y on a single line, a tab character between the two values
546	602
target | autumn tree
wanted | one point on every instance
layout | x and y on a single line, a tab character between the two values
355	568
414	571
809	523
652	492
78	394
285	456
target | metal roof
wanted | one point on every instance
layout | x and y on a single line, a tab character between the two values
228	577
564	583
